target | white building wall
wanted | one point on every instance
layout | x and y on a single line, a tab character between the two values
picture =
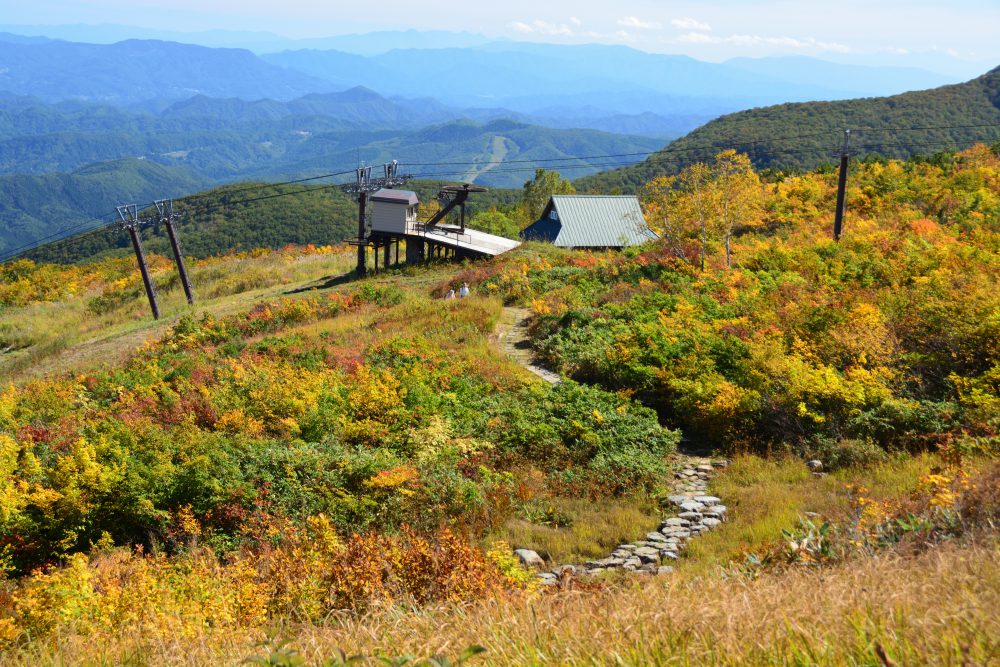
390	218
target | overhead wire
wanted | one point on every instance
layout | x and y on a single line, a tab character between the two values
617	160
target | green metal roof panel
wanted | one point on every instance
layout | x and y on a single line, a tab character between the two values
600	221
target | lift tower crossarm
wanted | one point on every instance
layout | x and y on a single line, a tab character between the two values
460	194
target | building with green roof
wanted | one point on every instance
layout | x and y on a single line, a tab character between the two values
591	221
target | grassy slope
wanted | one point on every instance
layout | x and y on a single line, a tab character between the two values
941	604
937	608
67	337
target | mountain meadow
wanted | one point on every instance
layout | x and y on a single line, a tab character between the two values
308	467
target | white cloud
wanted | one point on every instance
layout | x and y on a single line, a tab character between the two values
758	40
691	24
635	22
575	21
542	28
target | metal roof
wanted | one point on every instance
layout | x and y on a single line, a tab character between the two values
407	197
591	221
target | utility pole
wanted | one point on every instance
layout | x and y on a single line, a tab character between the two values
130	223
364	175
838	221
165	208
363	185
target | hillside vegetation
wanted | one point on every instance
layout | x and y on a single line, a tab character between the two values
803	136
888	339
249	216
305	466
38	207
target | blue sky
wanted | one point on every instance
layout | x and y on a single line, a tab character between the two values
894	31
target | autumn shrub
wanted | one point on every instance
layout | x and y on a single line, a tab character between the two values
305	574
228	420
572	426
846	453
888	337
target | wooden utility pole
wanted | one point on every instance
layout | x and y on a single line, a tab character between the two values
838	221
130	223
165	207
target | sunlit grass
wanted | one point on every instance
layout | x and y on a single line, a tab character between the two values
936	608
594	529
40	334
766	496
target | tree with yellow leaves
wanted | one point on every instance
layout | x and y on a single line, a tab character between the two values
706	201
739	196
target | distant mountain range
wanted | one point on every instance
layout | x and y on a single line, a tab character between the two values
605	87
137	70
85	125
370	43
532	77
228	139
805	136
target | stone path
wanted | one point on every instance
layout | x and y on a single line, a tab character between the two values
694	513
512	335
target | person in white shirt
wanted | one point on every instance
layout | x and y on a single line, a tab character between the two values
464	292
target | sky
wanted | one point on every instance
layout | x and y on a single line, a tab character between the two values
885	31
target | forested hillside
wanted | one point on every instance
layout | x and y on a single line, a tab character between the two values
38	207
806	135
63	165
251	215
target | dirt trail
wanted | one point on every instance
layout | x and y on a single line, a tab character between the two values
512	335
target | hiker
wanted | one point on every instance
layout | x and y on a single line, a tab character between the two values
450	294
464	292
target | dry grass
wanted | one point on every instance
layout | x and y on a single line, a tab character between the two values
596	528
66	336
939	608
765	496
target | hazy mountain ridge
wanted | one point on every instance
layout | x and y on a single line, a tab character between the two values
523	77
517	72
231	138
136	70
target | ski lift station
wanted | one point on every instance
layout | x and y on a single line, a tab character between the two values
394	219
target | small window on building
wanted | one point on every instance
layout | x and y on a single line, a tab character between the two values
554	215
